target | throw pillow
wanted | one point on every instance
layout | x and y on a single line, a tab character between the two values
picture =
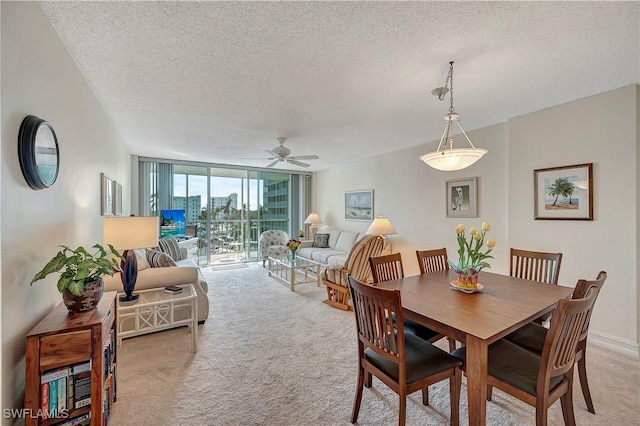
171	247
141	257
158	259
321	241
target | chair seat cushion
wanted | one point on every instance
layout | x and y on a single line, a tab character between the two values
514	365
419	330
416	329
531	337
423	360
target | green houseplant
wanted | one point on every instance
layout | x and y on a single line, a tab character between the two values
80	279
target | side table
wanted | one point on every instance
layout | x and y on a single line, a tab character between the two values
155	310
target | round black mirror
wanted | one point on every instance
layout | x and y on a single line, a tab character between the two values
38	152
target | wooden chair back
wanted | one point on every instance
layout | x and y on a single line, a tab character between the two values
357	262
535	265
582	288
357	265
387	267
432	260
373	309
567	322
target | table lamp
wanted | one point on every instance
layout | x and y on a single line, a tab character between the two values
313	220
381	226
127	234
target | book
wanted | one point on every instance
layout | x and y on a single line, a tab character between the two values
56	374
82	389
62	394
53	397
44	399
82	420
81	368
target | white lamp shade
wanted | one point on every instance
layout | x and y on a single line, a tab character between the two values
313	219
132	232
453	159
381	226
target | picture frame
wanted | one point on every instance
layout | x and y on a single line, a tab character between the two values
358	205
462	197
563	193
106	195
117	198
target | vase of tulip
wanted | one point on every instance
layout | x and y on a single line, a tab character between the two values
472	255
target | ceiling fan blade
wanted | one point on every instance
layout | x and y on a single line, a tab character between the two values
304	157
268	151
297	163
273	164
257	158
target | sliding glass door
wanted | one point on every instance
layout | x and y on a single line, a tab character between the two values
225	208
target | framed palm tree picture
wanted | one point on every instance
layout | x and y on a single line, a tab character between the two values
564	193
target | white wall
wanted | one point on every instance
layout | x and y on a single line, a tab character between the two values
596	129
39	78
601	130
412	195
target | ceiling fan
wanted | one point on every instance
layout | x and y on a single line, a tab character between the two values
281	153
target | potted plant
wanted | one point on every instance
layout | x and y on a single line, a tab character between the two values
471	257
81	274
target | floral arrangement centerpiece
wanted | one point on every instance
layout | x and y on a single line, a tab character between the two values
293	246
471	257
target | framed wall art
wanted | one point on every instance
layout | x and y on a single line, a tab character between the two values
117	198
564	193
106	191
462	197
358	205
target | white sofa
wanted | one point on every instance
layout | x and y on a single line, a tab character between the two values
334	256
186	272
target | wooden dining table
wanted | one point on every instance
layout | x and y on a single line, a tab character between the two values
478	319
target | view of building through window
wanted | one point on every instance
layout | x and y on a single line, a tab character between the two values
226	209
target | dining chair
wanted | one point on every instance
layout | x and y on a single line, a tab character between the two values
356	264
541	379
389	267
400	360
535	266
432	260
532	336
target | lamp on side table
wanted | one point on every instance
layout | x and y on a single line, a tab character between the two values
313	220
382	226
129	233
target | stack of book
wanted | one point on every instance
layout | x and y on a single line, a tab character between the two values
65	389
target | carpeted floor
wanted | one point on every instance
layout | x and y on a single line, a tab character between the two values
268	356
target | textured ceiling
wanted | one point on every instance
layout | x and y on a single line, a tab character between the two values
217	81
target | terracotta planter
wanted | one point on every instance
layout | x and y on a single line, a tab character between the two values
87	300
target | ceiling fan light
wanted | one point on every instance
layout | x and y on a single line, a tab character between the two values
453	159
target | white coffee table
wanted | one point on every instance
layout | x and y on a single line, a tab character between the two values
155	310
296	272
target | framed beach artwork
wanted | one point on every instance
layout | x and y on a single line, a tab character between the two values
106	192
358	205
564	193
462	197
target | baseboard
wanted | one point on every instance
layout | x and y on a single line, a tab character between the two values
614	344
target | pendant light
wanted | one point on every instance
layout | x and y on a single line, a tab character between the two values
446	157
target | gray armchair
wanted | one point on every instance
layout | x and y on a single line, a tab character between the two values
272	243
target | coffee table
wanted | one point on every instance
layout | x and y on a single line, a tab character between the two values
155	310
294	272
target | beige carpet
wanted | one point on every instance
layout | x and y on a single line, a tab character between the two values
272	357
